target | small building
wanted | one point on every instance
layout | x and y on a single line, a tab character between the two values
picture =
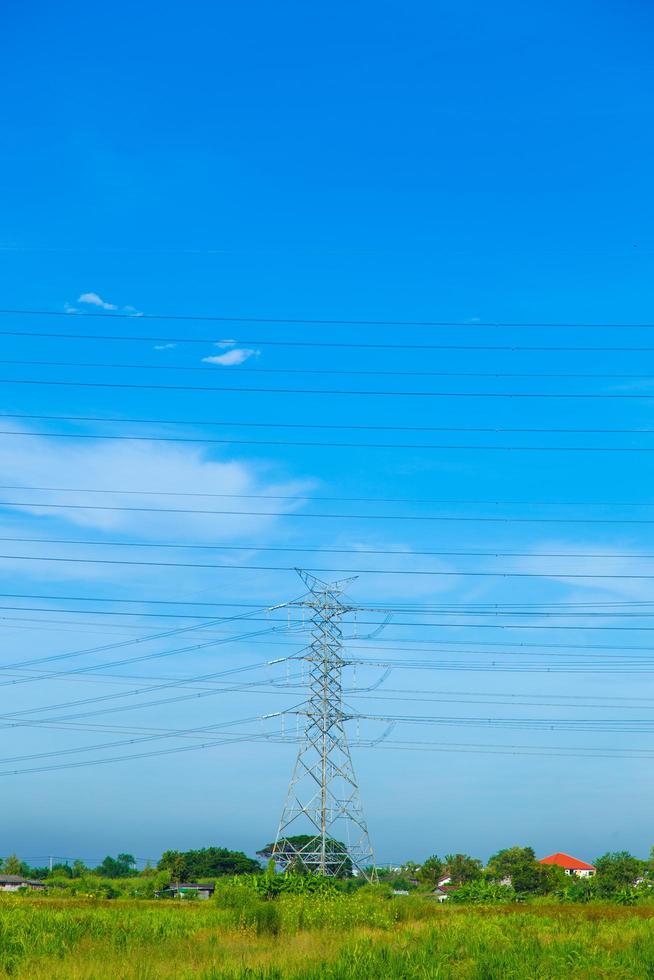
12	883
202	889
443	891
571	865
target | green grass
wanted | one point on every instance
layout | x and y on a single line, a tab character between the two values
327	937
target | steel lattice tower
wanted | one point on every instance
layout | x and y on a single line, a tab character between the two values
323	801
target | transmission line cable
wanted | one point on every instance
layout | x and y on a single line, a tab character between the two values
306	321
495	430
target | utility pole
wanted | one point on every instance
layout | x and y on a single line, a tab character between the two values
323	802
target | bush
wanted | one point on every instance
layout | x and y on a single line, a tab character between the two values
482	892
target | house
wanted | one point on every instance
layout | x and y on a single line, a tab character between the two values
203	890
571	865
443	891
11	883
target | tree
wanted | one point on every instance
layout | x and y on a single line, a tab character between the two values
462	868
61	871
430	871
519	865
119	867
174	862
207	862
78	869
38	874
617	870
14	866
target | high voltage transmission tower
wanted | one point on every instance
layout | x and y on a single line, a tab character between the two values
323	795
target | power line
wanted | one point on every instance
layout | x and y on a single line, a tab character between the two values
158	655
258	342
298	549
112	366
129	758
120	743
486	749
495	430
356	571
305	321
240	389
325	445
32	504
233	495
165	634
269	606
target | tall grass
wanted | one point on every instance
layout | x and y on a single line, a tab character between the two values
323	936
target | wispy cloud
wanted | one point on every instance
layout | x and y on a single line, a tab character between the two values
232	357
92	299
149	466
164	346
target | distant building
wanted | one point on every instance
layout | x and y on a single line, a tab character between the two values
571	865
12	883
443	890
202	890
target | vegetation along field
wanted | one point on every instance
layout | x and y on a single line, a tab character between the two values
369	933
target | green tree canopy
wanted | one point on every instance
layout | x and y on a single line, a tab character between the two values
616	870
14	866
462	868
430	871
78	869
207	862
518	864
61	870
122	866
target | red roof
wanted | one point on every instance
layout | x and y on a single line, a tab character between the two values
565	861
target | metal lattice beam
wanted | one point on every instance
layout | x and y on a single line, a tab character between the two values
323	804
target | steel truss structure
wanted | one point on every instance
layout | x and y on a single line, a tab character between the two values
323	806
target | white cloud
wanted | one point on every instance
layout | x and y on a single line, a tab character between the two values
231	357
603	566
164	346
94	300
225	343
149	466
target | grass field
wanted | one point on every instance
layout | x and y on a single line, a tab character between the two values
359	936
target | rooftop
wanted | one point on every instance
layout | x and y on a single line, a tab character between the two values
17	880
566	861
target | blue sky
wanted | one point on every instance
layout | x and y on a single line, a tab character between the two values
436	162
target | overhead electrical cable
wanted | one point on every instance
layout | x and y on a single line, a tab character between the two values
113	366
121	644
235	566
410	555
265	342
236	495
258	607
42	505
333	321
333	445
339	392
496	430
